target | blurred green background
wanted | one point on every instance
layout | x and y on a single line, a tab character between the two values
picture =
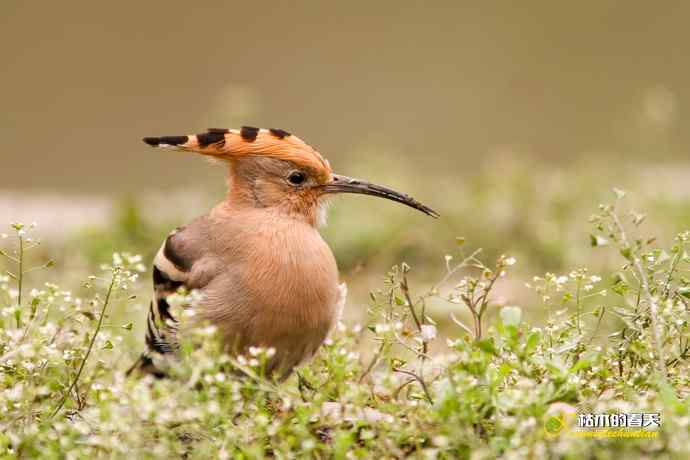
514	120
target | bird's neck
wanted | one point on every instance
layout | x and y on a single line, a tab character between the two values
236	205
244	196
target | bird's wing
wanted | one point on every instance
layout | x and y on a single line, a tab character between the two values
184	260
179	263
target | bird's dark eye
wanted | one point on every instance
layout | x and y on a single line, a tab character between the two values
297	177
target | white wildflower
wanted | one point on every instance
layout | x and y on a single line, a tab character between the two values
14	393
308	444
382	328
428	332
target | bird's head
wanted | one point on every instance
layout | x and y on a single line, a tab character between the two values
273	168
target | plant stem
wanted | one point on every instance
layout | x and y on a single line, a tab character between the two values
669	278
461	324
578	306
653	308
421	381
450	273
424	346
372	363
20	274
596	329
483	301
106	301
406	292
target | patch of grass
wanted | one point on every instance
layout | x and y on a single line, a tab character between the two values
494	386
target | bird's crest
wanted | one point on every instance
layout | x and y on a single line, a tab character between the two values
232	144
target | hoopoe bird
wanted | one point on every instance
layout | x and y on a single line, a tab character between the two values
266	276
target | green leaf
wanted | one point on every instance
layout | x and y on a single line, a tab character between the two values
532	342
684	291
596	241
627	253
554	369
487	346
127	327
619	278
505	369
585	362
460	240
108	345
669	397
619	193
581	364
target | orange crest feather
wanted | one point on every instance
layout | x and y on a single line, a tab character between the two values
233	144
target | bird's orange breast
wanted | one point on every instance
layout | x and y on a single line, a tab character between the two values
285	291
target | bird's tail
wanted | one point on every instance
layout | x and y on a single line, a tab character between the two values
156	346
145	366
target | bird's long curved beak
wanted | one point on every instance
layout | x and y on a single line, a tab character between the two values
344	184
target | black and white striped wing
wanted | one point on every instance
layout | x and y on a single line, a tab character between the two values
173	268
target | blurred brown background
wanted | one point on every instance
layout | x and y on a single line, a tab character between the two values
445	84
513	119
